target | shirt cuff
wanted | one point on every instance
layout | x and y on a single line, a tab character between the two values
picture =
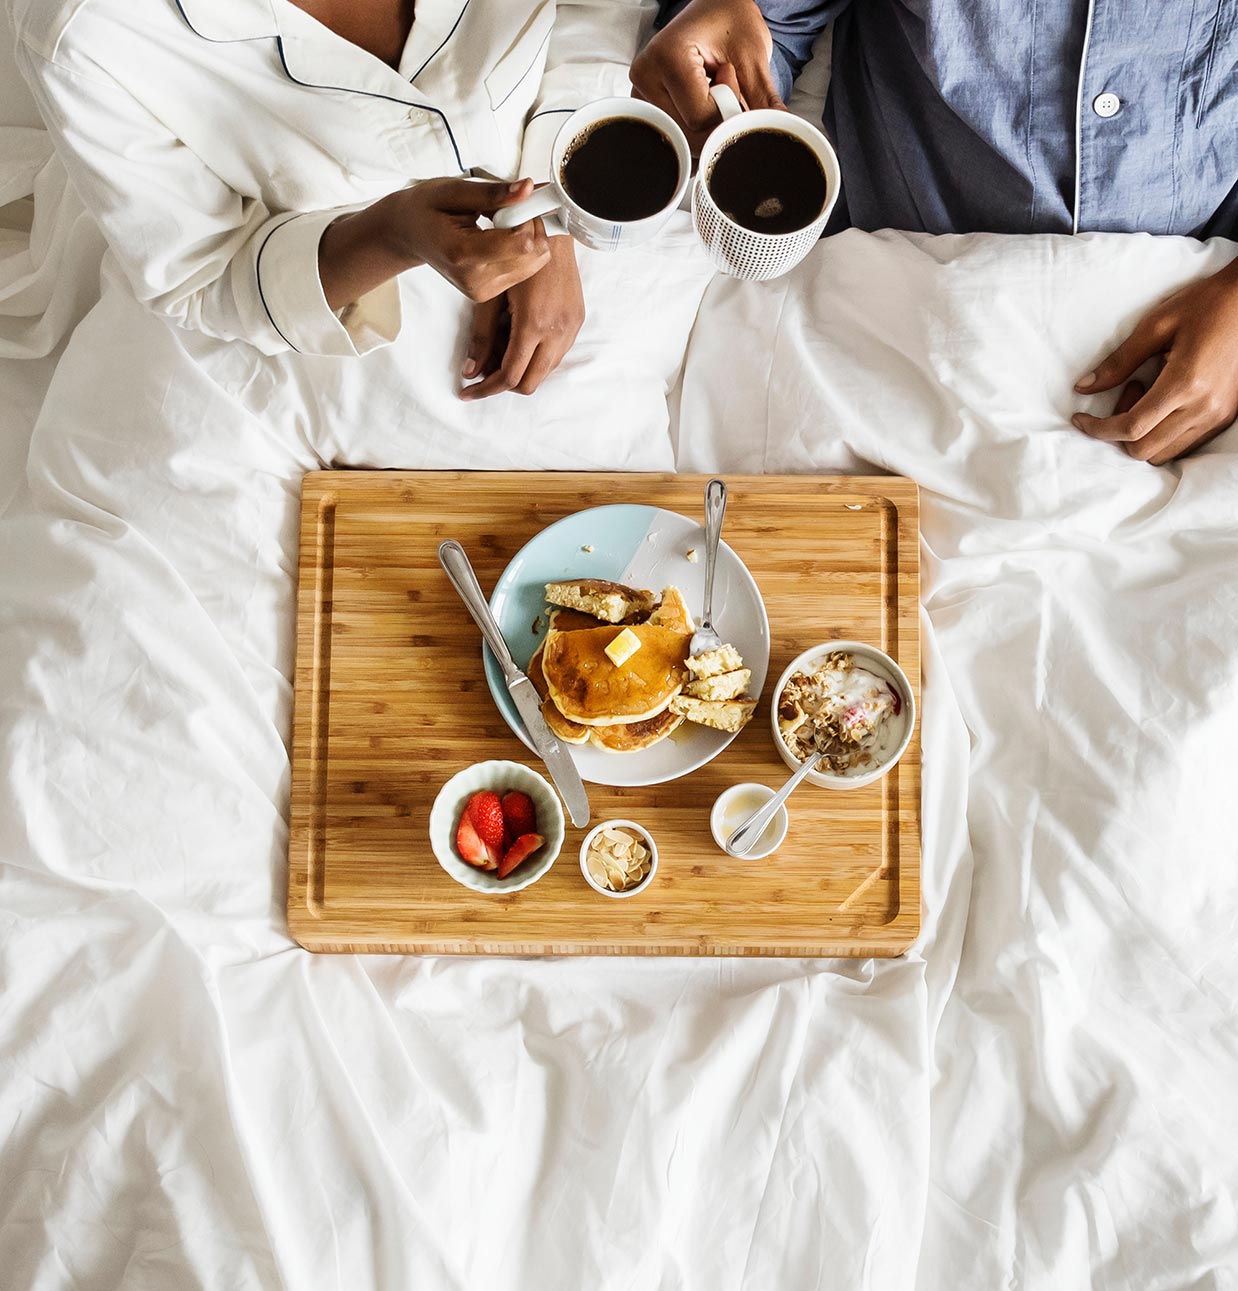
782	68
291	293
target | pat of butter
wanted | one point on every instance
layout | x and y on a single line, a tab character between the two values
623	647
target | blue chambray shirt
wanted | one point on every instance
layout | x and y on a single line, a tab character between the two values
1026	116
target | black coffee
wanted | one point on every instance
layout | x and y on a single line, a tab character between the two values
768	181
621	169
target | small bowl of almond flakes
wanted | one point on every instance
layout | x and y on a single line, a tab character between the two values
618	858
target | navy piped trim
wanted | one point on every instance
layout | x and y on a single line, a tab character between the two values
258	274
550	112
235	40
345	89
279	44
442	43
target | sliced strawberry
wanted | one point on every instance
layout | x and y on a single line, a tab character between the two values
471	847
519	852
486	812
519	813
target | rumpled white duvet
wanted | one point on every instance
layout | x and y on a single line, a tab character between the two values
1041	1095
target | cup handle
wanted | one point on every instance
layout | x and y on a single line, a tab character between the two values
727	101
544	202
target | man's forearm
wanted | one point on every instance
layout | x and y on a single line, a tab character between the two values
793	24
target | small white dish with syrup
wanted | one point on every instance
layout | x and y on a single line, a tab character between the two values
733	806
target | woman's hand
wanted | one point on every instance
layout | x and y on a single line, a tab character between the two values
434	223
518	340
1195	395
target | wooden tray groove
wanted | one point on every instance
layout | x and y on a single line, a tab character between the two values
391	701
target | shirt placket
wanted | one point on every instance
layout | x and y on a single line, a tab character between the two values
419	135
1127	117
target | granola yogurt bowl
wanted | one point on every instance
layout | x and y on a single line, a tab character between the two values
851	699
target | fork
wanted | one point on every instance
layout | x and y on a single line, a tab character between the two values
705	638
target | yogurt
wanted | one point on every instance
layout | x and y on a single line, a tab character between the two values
854	716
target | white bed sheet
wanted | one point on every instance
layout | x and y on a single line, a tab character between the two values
1084	608
1039	1096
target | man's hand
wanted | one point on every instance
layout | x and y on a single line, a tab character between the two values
520	338
1195	395
711	41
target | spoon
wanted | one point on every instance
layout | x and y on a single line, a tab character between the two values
743	838
705	638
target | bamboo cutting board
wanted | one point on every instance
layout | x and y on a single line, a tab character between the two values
391	701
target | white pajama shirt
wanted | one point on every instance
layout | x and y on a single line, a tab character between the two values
215	140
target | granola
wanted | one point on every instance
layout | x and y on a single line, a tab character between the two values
844	711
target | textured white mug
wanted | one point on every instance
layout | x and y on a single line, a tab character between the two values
736	250
563	215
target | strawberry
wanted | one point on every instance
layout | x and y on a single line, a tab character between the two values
519	813
471	847
519	852
486	813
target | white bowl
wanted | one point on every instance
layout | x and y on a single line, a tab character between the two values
777	829
878	662
499	776
642	834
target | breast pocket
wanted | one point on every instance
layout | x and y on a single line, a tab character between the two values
516	73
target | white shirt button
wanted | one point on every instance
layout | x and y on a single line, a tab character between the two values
1106	104
415	113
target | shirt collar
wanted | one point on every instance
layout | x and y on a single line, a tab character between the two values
310	54
224	21
314	55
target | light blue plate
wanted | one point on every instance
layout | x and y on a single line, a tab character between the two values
642	547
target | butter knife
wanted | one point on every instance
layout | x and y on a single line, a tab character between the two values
528	703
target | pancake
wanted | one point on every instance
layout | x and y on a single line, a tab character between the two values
572	620
601	598
587	688
722	714
568	732
535	674
673	612
566	620
723	685
713	662
629	737
632	736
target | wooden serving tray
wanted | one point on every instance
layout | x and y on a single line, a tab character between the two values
391	701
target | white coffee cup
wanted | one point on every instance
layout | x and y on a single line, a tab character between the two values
739	251
563	215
